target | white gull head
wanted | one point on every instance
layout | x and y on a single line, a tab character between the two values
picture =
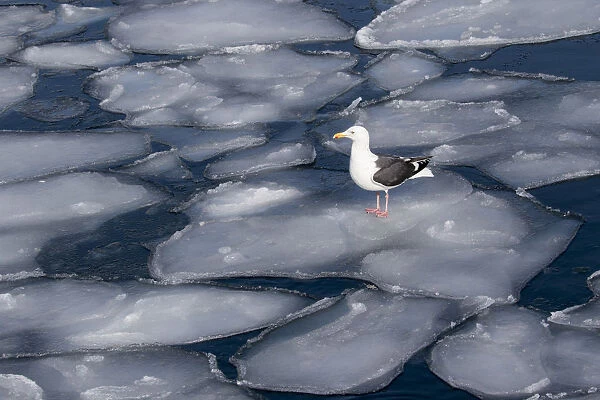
358	134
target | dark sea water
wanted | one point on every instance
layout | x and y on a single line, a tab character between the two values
119	249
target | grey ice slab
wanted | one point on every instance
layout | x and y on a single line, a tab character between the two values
16	85
403	71
70	56
34	212
23	19
146	373
496	355
586	316
256	85
54	316
356	345
308	237
402	123
197	145
162	165
555	141
571	362
54	109
442	238
71	19
271	156
27	155
522	357
200	26
441	24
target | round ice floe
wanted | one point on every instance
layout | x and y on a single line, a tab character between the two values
470	88
404	70
239	199
19	20
95	315
259	86
8	45
532	169
460	23
424	123
19	387
198	145
479	220
357	345
72	203
440	238
70	20
582	316
162	165
94	55
495	271
27	155
570	359
16	84
326	232
508	342
568	104
528	155
150	373
194	27
271	156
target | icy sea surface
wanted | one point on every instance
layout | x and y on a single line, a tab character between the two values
176	221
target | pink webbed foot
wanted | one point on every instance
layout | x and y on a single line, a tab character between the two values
382	214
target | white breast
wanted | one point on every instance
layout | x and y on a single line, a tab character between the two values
362	168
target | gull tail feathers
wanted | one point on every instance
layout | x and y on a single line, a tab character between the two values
424	173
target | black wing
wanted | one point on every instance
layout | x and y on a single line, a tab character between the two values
395	170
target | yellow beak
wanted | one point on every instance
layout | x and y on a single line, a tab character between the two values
339	135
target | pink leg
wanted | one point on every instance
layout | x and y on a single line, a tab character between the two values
385	213
373	210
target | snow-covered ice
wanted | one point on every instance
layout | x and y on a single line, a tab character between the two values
571	362
34	212
162	165
16	85
260	84
522	357
402	71
8	45
442	24
96	315
496	355
555	141
270	156
168	374
442	238
197	145
27	155
568	104
420	123
356	345
67	56
71	19
198	26
23	19
235	199
19	387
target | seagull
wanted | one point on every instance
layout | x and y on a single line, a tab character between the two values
377	173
